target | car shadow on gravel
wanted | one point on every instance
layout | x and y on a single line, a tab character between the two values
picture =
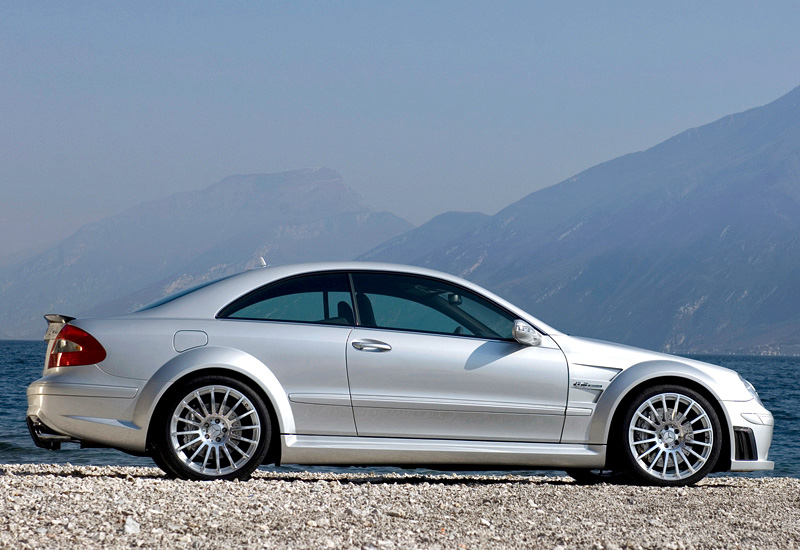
157	474
409	479
123	472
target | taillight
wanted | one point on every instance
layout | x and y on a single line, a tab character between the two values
74	347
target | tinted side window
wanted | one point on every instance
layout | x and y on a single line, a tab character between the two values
401	313
323	298
407	302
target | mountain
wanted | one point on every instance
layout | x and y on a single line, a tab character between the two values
690	246
413	246
164	245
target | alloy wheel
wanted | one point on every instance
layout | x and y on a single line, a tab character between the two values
215	430
671	436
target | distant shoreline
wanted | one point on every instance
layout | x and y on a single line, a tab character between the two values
90	506
678	353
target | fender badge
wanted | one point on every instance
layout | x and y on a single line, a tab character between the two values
582	384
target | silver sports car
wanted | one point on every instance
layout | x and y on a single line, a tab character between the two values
379	364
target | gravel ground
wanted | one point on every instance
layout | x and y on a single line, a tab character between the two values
64	506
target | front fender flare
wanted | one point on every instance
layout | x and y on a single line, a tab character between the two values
637	375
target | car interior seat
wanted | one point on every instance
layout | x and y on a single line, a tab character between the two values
344	311
365	311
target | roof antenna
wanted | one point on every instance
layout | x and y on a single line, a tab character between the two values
263	261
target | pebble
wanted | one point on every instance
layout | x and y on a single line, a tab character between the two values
131	526
114	507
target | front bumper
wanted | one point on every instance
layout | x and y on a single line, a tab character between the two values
750	435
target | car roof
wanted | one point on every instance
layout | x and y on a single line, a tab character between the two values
207	301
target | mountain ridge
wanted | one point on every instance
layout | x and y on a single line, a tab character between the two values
691	246
188	237
652	247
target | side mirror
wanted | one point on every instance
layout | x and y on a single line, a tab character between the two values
526	334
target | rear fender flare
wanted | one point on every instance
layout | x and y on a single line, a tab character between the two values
217	359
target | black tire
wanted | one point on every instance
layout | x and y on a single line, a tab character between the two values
211	427
670	436
156	456
585	476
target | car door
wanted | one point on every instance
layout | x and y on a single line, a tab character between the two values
432	360
298	328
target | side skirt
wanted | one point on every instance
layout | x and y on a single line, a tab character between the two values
382	451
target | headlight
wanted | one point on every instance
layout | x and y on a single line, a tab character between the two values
751	389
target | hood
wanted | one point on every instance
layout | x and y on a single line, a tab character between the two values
597	353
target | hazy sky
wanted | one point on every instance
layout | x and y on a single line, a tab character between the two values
423	107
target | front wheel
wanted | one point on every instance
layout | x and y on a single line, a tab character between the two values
212	427
672	436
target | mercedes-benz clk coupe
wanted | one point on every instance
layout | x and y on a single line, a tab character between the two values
380	364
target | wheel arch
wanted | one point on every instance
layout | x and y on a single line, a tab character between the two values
221	362
612	404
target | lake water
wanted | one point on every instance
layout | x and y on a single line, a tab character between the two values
21	363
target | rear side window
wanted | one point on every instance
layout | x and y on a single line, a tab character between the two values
322	298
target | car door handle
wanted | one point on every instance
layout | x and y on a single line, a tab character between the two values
371	345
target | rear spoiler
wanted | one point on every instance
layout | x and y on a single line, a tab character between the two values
55	323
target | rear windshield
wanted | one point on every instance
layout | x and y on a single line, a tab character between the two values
181	293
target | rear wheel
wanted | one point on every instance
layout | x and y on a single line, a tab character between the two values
672	436
212	427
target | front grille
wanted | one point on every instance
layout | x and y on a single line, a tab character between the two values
745	444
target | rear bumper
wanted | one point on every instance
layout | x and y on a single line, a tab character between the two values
45	437
86	406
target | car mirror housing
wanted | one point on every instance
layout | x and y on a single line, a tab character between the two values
525	334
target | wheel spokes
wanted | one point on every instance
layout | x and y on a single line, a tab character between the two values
224	399
686	461
643	430
197	452
646	419
200	402
236	406
667	443
692	451
238	418
206	435
647	452
189	444
656	416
